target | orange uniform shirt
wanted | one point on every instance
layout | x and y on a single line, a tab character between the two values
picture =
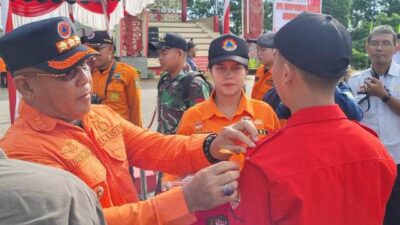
100	154
205	117
123	92
2	66
262	83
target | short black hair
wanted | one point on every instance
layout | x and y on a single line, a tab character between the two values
384	29
190	45
314	81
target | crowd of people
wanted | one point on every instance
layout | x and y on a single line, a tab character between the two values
315	144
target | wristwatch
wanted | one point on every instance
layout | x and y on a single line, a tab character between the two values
386	98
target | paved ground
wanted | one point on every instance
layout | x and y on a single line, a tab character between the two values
149	94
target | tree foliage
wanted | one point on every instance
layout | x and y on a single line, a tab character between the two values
340	9
360	16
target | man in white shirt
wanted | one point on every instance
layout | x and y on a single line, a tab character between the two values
396	56
378	91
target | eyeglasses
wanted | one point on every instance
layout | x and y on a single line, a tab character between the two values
86	66
384	44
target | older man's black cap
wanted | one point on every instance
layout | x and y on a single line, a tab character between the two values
51	45
316	43
228	47
266	39
171	40
97	38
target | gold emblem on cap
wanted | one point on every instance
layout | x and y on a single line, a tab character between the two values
229	44
68	44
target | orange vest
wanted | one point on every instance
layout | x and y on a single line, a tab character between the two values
100	154
206	118
2	66
262	83
123	92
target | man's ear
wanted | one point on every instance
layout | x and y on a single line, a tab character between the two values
366	46
180	52
23	86
288	73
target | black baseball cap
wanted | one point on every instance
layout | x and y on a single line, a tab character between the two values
228	47
98	38
190	45
52	45
266	39
171	40
316	43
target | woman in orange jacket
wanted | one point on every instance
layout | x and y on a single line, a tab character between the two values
228	104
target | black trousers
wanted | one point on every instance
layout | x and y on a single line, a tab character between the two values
3	79
392	216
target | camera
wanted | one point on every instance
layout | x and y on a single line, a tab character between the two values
363	89
95	99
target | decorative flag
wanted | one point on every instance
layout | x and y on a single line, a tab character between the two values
12	92
226	17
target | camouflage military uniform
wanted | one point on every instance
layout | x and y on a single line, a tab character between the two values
171	104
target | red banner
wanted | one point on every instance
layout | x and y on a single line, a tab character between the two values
96	6
131	36
33	8
36	8
253	18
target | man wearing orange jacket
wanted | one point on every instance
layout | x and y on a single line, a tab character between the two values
3	74
115	84
263	79
58	127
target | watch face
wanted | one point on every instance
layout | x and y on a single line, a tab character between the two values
386	98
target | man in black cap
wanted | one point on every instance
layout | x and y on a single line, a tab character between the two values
115	84
58	126
320	168
263	79
177	90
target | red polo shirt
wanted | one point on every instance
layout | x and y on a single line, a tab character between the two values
321	169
